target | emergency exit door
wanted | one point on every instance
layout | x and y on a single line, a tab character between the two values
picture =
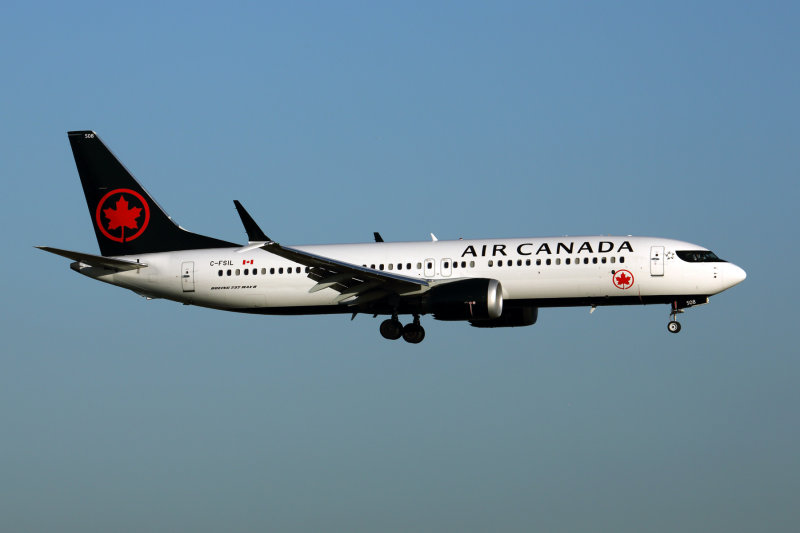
187	276
656	260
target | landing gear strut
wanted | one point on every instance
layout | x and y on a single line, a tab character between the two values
674	326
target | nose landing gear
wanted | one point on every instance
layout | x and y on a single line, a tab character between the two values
674	326
412	333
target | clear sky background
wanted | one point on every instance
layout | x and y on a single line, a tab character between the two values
466	119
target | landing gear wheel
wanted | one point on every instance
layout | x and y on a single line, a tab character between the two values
391	329
674	326
413	333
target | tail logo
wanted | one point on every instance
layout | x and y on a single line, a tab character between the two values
119	210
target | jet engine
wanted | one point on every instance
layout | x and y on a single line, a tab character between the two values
467	299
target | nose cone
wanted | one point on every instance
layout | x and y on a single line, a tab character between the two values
734	275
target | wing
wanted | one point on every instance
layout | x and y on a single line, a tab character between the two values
356	284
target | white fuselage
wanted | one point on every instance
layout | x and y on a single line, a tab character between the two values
591	270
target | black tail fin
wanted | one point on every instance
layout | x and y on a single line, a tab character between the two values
126	219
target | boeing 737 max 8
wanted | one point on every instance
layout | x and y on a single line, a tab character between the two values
489	282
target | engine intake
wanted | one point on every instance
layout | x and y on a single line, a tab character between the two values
467	299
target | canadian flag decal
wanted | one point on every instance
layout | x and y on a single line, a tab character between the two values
247	262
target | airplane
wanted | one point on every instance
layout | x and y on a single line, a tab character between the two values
489	283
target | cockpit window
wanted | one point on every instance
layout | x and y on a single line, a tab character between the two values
699	256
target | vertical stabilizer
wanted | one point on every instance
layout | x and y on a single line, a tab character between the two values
126	219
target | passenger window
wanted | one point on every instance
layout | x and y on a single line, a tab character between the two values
408	266
613	259
246	271
391	266
622	259
527	262
372	267
567	261
419	266
548	262
263	271
472	264
446	264
229	271
238	271
430	265
594	260
538	262
399	266
585	260
491	263
280	270
220	272
558	260
272	270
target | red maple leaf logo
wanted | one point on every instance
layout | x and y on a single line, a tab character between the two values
122	216
623	280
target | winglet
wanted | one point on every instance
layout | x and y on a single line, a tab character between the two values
254	233
378	237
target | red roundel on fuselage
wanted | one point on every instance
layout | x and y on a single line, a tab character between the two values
623	279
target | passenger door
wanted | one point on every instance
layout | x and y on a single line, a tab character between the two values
656	260
187	276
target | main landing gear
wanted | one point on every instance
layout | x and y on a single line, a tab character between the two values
392	329
674	326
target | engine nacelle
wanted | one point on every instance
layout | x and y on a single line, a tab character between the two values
511	318
467	299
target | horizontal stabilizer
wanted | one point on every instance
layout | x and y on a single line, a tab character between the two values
95	260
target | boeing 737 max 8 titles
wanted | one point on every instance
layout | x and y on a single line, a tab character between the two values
489	283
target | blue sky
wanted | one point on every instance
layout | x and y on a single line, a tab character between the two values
331	121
